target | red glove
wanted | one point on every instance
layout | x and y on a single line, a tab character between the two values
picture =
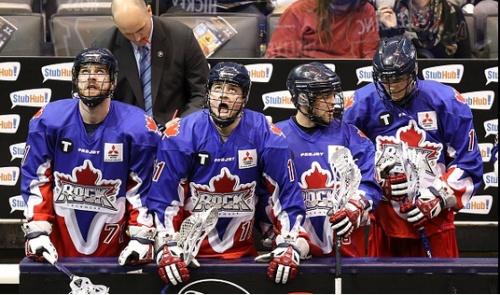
284	264
344	222
170	265
427	205
395	187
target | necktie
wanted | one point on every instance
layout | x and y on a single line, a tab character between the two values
145	68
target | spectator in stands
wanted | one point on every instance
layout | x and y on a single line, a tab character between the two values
316	128
437	28
87	169
325	29
437	125
178	67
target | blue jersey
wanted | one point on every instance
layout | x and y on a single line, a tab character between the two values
311	158
438	124
249	177
89	187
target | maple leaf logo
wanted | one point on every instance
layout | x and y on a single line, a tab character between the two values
225	193
86	190
151	125
173	129
459	96
275	129
348	101
415	137
317	187
39	113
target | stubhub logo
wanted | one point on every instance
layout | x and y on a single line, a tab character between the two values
278	99
490	179
478	205
444	74
60	72
31	97
9	71
17	203
260	73
9	175
479	100
365	74
491	127
9	123
491	75
17	150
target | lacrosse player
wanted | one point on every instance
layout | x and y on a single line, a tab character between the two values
494	155
230	158
86	171
436	123
314	134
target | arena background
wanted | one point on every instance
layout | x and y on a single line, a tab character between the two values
27	83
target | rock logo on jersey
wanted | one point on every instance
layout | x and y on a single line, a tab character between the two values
387	147
317	190
86	190
225	193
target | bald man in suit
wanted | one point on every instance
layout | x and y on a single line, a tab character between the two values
179	69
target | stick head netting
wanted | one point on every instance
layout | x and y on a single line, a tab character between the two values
82	285
194	229
346	178
410	160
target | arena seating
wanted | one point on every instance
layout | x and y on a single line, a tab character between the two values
272	21
244	44
491	35
72	33
29	38
18	6
82	6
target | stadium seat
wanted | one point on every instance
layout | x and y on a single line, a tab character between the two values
491	35
29	38
18	6
83	7
73	33
272	21
245	44
470	19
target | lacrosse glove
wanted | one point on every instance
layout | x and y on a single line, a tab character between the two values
429	203
171	267
394	186
140	247
284	264
355	214
36	234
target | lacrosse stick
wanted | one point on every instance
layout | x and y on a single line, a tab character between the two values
79	285
409	161
346	179
193	231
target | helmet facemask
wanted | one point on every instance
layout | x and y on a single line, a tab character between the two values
320	105
396	89
225	102
89	65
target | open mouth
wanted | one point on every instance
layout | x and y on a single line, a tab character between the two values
223	109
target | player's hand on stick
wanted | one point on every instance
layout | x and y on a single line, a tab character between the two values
284	263
345	221
140	247
171	267
36	234
426	206
395	187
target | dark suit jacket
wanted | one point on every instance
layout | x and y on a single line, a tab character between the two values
178	74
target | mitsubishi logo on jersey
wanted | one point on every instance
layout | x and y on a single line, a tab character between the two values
317	190
387	147
225	193
86	190
275	129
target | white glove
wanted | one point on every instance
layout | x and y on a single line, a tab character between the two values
140	247
171	267
284	264
37	238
